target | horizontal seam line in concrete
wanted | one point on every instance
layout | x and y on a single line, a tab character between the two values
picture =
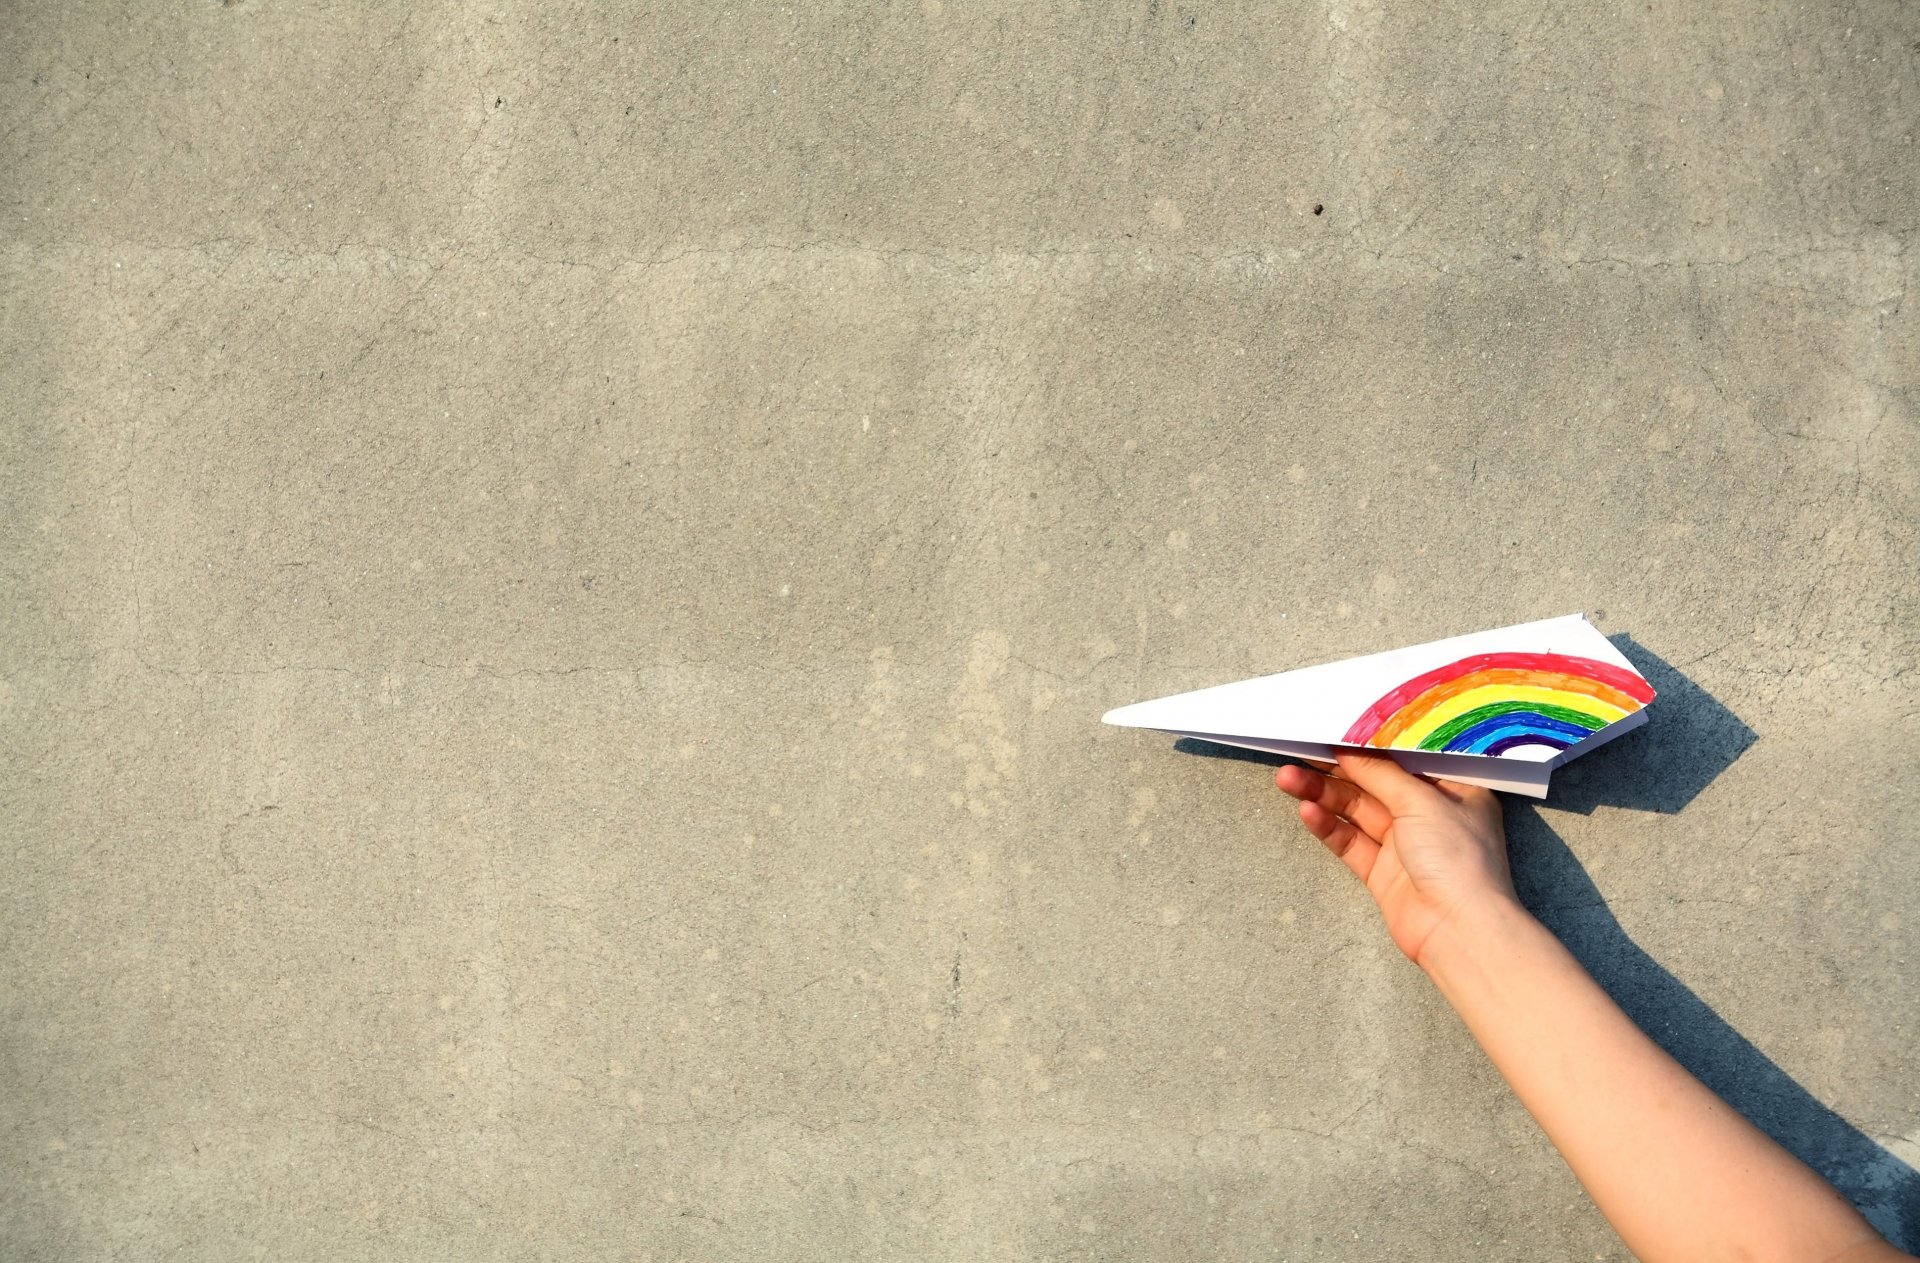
1143	256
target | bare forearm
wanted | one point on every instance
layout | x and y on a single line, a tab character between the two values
1678	1173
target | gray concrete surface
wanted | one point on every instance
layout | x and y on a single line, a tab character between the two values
562	567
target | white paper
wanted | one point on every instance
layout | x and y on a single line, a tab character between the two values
1500	708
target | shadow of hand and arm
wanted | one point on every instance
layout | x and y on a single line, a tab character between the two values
1626	1090
1556	889
1660	768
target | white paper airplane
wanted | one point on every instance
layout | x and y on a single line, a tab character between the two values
1498	708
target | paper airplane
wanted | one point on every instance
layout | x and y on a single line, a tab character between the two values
1498	708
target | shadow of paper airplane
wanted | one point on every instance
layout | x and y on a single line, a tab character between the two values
1689	739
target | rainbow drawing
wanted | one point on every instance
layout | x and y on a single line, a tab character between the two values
1490	703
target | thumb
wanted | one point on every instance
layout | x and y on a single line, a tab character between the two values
1398	790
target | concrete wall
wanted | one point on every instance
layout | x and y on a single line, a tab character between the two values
562	567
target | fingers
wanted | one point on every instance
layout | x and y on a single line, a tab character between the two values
1298	781
1399	790
1349	845
1341	797
1338	813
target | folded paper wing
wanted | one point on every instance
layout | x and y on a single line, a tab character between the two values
1498	708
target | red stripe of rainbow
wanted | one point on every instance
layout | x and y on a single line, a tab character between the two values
1404	705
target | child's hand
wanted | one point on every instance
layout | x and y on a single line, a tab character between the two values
1424	848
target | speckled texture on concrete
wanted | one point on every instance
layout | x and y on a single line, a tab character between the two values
562	567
